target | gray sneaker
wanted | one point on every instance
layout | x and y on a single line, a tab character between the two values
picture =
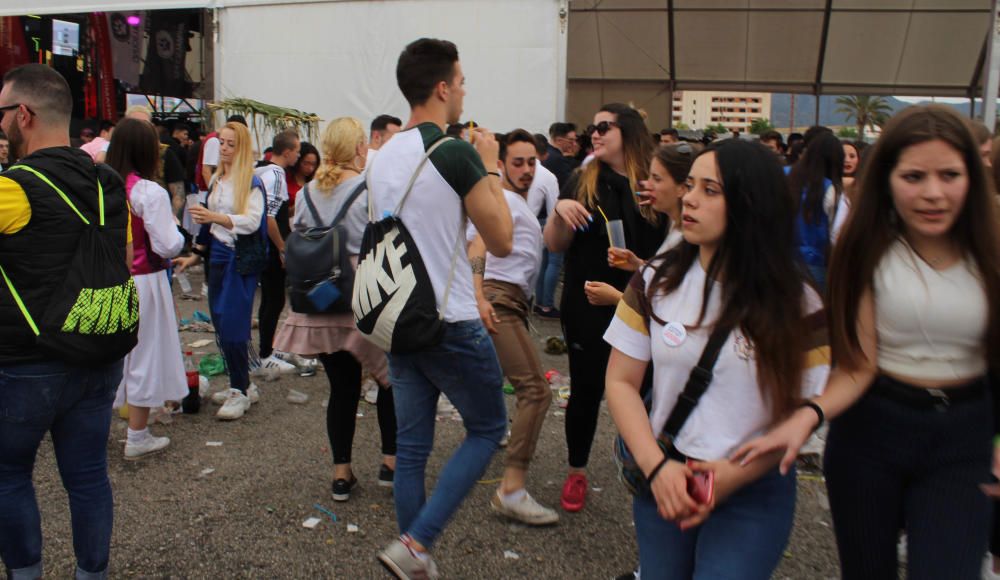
402	561
526	511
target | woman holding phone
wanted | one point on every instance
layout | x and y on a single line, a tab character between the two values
602	191
737	271
915	314
235	207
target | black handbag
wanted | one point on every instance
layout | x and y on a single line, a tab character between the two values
319	273
629	472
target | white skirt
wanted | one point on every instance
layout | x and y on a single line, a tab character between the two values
154	370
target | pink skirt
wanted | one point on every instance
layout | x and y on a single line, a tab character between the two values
313	334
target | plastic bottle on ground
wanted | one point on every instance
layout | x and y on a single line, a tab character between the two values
192	402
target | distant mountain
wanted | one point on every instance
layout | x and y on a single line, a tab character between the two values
805	109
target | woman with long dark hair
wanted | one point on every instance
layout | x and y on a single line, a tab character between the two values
235	207
601	191
736	272
816	180
915	325
154	370
302	172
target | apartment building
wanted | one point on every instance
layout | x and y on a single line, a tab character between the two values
734	111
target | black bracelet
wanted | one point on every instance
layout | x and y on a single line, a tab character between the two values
659	466
495	173
819	412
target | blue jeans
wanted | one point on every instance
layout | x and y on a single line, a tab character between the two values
74	405
464	367
744	537
548	276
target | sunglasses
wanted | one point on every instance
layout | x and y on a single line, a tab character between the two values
602	128
684	149
5	108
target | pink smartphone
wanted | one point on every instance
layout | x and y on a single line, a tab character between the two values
701	486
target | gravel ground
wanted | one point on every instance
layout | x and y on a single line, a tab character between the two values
175	519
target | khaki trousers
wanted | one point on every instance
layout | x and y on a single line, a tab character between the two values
522	366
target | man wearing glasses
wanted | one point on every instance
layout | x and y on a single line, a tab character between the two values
39	393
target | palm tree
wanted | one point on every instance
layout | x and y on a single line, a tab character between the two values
867	111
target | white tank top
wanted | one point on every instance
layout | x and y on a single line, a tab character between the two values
931	323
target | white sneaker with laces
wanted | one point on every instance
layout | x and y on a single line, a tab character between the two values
147	446
275	363
220	397
235	406
526	510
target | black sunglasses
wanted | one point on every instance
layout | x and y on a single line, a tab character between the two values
5	108
602	128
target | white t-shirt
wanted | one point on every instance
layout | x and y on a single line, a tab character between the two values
221	200
273	177
521	265
210	152
732	410
434	213
544	191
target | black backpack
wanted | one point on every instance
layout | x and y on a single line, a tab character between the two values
318	269
394	303
93	318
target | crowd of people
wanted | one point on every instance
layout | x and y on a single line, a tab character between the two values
726	297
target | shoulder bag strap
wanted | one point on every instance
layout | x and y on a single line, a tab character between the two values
347	204
697	383
420	166
309	204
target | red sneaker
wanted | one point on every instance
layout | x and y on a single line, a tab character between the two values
574	492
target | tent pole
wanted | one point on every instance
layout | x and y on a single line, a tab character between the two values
817	110
992	84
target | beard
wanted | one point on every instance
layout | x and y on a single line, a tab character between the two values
16	141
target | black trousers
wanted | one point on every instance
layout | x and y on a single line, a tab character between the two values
272	301
588	363
344	374
892	466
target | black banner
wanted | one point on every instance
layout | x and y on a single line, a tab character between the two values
164	72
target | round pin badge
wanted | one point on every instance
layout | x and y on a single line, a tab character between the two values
674	334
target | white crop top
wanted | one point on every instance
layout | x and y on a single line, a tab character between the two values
931	324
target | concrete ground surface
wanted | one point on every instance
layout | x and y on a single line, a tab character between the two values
236	510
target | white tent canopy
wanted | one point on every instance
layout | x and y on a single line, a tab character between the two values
338	58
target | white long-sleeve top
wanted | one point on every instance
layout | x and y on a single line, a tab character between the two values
151	203
222	201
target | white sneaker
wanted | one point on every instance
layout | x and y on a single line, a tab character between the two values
235	406
222	396
147	446
527	510
274	363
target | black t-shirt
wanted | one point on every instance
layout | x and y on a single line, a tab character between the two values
173	171
587	257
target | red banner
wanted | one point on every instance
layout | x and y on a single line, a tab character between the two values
13	49
105	67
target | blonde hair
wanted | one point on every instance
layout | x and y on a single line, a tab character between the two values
240	169
340	151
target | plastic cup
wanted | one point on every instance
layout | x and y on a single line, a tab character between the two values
616	231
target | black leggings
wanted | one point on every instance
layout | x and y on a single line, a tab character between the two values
890	466
588	363
272	301
344	374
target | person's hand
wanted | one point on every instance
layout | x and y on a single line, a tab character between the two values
281	256
624	259
486	145
181	264
574	214
789	436
601	294
669	489
202	215
488	315
642	196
